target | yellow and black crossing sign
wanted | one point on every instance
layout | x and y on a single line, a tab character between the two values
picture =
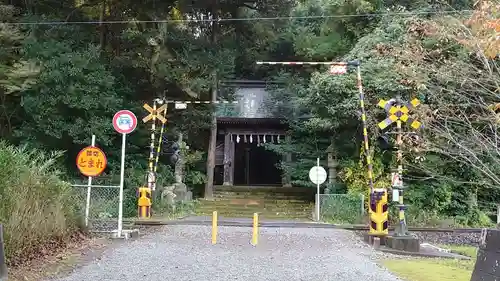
155	113
399	113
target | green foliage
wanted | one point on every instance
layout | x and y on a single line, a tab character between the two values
73	97
342	208
355	175
179	210
192	159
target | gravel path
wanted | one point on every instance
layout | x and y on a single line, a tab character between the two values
185	253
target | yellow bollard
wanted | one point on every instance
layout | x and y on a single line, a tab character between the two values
255	232
144	202
214	228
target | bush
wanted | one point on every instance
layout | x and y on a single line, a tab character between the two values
342	208
37	207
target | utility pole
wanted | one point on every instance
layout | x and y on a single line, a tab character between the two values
209	186
102	27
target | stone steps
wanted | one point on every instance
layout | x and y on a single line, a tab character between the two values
244	200
261	196
271	208
262	189
266	215
269	202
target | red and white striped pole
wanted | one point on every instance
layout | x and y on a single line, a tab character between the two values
201	101
183	104
336	67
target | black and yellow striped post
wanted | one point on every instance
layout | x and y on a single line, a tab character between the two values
160	140
378	218
399	112
144	203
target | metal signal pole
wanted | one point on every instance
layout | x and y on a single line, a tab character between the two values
399	111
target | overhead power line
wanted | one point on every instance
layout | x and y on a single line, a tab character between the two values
243	19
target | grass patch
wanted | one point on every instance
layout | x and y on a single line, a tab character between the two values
432	269
462	250
38	211
172	212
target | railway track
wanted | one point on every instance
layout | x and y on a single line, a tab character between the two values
419	229
436	235
297	224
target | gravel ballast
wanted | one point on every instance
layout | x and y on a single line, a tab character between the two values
184	253
462	239
436	238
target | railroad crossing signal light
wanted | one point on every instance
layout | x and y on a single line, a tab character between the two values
398	113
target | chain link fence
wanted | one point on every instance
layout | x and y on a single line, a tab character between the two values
98	205
342	208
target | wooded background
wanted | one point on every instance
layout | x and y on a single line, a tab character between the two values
62	80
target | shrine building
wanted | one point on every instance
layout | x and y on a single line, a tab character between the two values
242	130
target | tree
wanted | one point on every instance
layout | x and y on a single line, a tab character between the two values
15	74
319	107
484	28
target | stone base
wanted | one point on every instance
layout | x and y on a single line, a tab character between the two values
127	234
370	239
403	243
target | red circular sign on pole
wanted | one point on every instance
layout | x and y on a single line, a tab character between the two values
124	121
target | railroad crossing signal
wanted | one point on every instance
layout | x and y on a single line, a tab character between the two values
200	102
154	113
399	113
